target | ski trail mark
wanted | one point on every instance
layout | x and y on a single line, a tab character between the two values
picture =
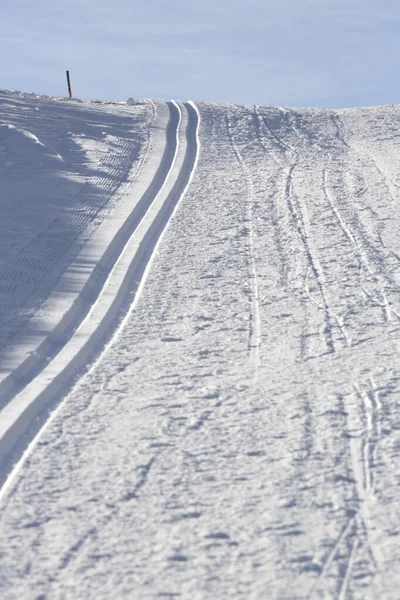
255	319
298	213
271	146
299	220
349	569
377	256
314	267
73	553
364	431
385	305
330	558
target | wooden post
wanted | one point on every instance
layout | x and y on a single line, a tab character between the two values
69	85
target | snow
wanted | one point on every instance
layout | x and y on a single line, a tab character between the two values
50	211
234	432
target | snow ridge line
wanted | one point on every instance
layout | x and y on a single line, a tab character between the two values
123	286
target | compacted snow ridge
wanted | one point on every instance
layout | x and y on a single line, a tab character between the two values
199	364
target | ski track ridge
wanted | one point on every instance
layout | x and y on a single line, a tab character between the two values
130	272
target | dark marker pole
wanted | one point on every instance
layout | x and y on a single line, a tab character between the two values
69	85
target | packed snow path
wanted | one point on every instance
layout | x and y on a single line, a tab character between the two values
104	289
237	436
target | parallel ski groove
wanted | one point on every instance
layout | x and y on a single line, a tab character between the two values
130	272
21	376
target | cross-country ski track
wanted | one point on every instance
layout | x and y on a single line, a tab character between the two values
46	369
199	351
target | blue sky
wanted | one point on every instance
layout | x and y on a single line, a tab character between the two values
283	52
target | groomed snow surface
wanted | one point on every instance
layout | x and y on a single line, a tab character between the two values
199	351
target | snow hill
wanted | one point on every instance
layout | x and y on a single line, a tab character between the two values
199	351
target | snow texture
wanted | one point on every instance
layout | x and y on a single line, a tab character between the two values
234	431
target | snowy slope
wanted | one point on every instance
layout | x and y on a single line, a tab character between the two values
63	167
237	436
